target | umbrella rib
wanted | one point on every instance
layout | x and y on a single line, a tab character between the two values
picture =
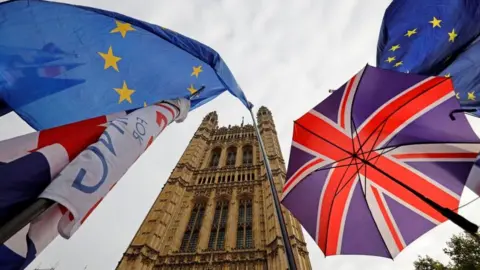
365	184
390	148
334	196
320	137
351	178
365	177
401	106
378	229
378	137
329	168
355	134
366	140
338	190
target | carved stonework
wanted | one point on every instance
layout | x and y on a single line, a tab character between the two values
224	193
245	191
200	191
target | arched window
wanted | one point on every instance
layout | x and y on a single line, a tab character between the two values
247	155
190	237
231	156
215	159
219	226
244	225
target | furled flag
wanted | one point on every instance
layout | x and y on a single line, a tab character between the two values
62	63
84	166
425	37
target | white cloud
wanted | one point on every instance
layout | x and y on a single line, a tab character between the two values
286	55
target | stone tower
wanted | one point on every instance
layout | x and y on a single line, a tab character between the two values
216	210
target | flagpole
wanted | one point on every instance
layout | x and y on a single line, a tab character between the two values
276	201
21	220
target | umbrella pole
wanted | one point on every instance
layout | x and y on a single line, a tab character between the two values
459	220
276	201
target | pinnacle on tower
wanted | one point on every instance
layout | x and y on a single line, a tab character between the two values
264	114
211	117
264	111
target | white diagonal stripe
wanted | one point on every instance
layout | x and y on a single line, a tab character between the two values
403	93
415	117
330	122
380	221
423	176
344	216
349	101
407	205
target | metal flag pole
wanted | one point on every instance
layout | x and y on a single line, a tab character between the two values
21	220
28	214
276	201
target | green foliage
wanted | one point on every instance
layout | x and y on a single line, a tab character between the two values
464	253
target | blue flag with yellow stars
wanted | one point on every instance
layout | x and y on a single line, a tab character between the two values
62	63
465	73
423	36
431	37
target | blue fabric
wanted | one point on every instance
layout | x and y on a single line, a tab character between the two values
22	181
465	74
52	72
10	260
430	37
426	51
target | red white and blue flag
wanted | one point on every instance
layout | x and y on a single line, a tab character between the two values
75	165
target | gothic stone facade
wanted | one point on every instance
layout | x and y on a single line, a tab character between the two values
216	209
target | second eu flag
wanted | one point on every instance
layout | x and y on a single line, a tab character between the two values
62	63
423	36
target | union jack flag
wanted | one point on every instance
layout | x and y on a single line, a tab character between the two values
75	165
331	148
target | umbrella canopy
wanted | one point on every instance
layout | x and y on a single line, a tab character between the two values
360	158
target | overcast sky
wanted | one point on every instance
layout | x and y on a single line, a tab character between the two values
285	55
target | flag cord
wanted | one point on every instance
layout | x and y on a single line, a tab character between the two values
278	211
21	220
459	220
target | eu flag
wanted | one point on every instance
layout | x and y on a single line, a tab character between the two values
420	36
434	37
465	73
62	63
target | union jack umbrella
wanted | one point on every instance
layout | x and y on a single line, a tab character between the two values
379	163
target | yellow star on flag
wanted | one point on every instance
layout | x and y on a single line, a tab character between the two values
457	95
471	95
196	71
192	89
395	47
390	59
447	75
125	93
452	35
398	64
435	22
110	59
411	32
123	28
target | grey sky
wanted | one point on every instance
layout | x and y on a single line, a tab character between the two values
286	55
